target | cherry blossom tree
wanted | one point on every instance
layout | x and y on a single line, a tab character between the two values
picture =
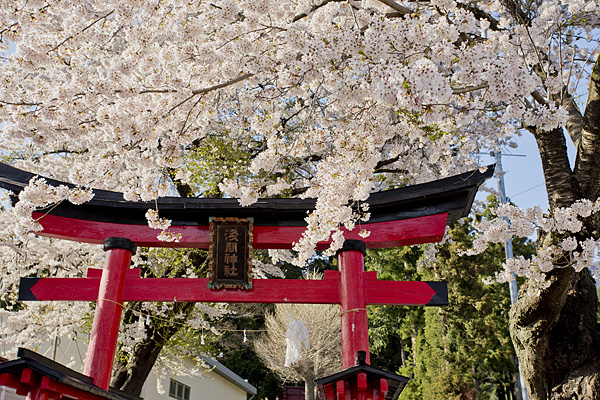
331	99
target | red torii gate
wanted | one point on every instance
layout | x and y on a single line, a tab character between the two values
411	215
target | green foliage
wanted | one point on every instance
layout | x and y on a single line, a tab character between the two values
217	157
462	351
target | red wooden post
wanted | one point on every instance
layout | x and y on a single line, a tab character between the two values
355	328
105	328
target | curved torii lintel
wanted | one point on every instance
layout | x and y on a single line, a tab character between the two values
399	217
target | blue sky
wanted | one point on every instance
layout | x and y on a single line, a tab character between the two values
524	179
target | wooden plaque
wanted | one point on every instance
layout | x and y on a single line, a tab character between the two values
230	253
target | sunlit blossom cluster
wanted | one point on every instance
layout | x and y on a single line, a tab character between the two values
570	252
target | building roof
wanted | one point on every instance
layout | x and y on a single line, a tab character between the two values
229	375
65	378
328	389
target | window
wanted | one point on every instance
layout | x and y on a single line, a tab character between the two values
178	390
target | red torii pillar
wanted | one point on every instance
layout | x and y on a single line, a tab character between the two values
353	301
107	318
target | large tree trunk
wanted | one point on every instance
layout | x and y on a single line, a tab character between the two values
557	339
556	334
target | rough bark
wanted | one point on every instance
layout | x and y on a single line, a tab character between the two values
557	338
587	163
572	357
561	186
556	335
532	319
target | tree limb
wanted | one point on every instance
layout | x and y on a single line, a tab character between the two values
480	14
183	189
313	8
574	123
222	85
561	184
468	89
7	29
206	90
514	9
398	7
21	103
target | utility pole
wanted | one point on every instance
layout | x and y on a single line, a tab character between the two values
508	251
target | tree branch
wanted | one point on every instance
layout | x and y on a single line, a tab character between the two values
574	123
514	9
561	184
183	189
468	89
222	85
398	7
313	8
22	103
83	30
480	14
7	29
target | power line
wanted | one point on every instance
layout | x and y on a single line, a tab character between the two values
527	190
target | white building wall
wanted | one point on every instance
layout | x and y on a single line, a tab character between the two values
211	387
7	393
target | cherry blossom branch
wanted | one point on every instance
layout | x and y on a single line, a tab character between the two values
21	103
187	117
480	14
468	89
223	85
314	8
196	91
236	37
515	11
83	30
398	7
7	29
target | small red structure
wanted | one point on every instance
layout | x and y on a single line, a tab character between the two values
39	378
361	382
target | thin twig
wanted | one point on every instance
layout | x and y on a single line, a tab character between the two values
83	30
19	104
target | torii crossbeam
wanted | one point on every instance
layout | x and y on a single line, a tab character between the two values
406	216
